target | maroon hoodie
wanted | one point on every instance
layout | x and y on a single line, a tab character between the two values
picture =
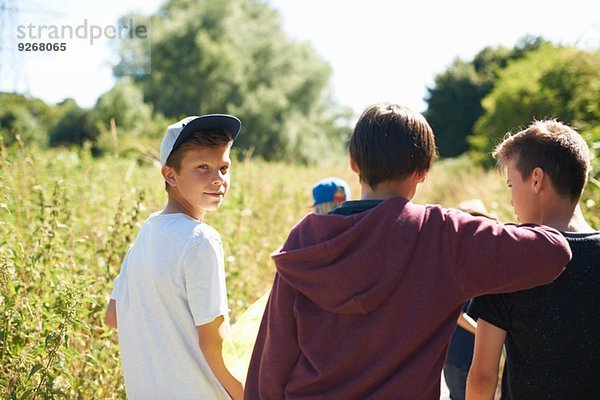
363	306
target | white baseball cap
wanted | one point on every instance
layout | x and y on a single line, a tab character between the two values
180	131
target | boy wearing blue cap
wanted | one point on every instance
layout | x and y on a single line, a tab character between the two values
329	193
169	300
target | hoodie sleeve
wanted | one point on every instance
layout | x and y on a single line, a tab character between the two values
276	350
496	258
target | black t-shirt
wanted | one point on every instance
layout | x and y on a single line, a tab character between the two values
355	206
552	331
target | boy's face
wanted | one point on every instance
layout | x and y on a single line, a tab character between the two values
203	179
523	197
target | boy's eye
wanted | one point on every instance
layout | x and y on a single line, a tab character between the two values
224	169
203	166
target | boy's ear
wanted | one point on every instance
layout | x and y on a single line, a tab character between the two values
537	179
420	176
169	174
353	165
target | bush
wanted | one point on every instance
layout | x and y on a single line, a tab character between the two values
29	118
76	126
124	103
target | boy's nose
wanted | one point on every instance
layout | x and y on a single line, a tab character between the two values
218	178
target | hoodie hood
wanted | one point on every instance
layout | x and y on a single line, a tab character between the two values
351	264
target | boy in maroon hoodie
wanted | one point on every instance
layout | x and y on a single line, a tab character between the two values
365	299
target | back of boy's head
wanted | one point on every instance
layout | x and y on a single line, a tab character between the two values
391	142
554	147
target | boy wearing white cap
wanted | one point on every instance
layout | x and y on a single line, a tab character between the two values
169	299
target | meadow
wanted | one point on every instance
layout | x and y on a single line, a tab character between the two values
67	219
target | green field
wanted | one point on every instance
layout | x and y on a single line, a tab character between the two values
68	218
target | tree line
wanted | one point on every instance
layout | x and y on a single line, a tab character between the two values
473	104
235	57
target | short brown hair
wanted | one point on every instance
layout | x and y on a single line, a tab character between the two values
556	148
200	139
391	142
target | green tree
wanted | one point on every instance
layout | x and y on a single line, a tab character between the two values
30	118
234	57
125	104
137	128
75	126
454	102
551	82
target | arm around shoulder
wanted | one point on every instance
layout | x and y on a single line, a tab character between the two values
499	258
210	338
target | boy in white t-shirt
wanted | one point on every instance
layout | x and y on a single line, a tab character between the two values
170	299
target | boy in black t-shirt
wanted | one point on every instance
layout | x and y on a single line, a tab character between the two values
552	332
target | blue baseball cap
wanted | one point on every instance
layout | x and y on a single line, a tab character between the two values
325	190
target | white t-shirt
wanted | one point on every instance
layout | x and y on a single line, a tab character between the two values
171	280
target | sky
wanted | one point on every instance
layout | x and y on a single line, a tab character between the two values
379	50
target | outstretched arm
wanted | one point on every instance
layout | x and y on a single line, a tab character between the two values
483	375
496	258
210	337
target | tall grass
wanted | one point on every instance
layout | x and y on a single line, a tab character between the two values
67	219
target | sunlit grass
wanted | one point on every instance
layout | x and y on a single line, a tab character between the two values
67	219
